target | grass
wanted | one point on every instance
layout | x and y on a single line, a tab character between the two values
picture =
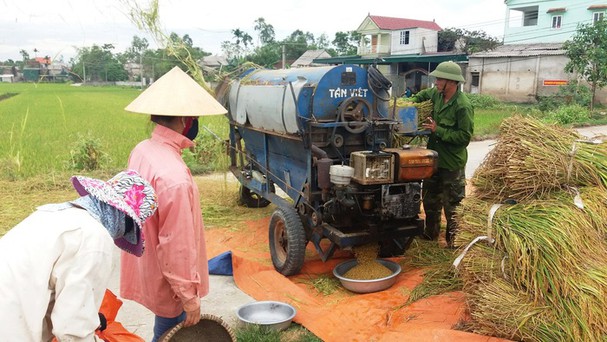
218	200
43	123
487	122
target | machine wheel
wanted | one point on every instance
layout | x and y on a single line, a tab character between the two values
250	199
355	111
394	247
287	241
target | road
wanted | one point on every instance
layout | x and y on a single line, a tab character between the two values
225	297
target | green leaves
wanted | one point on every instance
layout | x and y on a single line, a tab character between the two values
587	53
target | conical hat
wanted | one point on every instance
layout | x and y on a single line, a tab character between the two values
176	94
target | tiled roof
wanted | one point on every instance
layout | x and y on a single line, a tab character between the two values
522	50
389	23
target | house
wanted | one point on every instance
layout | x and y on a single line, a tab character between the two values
43	60
307	59
531	62
133	70
386	36
548	21
404	50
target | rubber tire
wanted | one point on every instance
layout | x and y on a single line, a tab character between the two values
390	248
287	241
249	199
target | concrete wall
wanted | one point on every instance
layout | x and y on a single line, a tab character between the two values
520	79
516	79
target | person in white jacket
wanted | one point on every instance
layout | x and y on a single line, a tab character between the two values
55	265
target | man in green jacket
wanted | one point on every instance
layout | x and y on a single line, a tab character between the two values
451	125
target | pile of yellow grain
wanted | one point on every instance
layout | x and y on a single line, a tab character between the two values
367	267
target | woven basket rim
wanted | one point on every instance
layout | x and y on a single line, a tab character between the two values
166	337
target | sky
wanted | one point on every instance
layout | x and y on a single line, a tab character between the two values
58	28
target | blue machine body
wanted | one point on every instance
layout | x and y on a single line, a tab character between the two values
277	109
283	101
287	127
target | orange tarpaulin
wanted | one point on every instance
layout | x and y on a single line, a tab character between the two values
342	315
115	331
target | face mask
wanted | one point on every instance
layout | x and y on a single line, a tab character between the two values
192	131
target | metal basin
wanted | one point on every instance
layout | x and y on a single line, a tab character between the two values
270	314
366	286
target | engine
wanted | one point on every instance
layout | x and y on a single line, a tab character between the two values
384	184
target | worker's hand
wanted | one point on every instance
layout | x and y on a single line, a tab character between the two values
191	317
102	322
429	124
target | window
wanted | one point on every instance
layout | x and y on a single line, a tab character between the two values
476	78
404	37
530	15
556	21
596	16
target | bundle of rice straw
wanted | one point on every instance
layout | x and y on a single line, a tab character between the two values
424	109
532	159
545	275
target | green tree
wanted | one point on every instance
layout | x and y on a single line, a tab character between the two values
242	37
297	43
231	50
265	31
322	42
346	43
587	53
98	64
25	57
179	49
467	41
266	55
237	50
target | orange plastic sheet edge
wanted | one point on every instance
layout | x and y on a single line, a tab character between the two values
342	315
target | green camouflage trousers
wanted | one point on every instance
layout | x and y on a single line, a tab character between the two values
445	190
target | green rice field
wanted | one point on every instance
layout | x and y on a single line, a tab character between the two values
42	123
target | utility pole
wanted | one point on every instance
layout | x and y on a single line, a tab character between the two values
141	68
284	58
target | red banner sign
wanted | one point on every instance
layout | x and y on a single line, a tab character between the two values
555	82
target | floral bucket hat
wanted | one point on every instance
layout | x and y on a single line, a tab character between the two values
129	193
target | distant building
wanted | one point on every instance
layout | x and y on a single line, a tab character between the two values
518	72
133	71
214	61
387	36
307	59
405	51
531	63
7	78
43	60
548	21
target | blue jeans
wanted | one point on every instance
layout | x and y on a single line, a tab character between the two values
162	324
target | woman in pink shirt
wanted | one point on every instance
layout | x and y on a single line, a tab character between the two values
172	275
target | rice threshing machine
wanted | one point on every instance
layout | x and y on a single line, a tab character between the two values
325	136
